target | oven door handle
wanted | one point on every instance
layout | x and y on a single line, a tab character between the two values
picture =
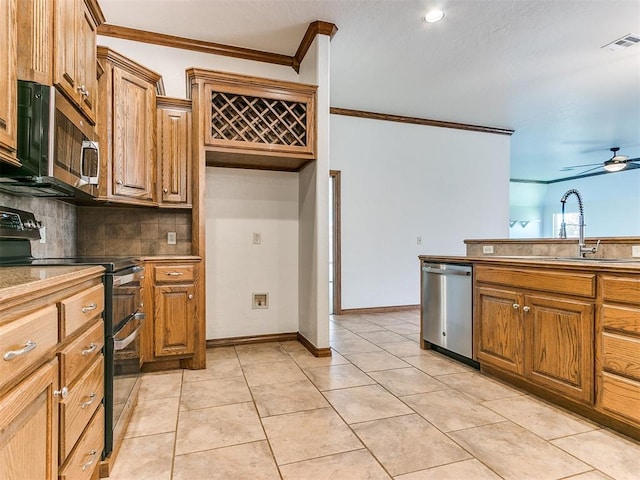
122	344
135	273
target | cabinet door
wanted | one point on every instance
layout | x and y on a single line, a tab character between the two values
86	62
8	80
133	127
501	329
174	316
29	427
174	155
65	29
560	343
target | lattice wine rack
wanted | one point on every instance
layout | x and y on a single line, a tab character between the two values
245	118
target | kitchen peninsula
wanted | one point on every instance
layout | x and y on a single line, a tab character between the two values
564	328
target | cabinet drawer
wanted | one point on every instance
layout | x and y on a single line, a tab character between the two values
23	342
621	319
174	273
84	458
76	410
77	310
621	396
581	284
81	352
621	355
620	289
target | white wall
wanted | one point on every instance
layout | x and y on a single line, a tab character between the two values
239	203
401	181
171	63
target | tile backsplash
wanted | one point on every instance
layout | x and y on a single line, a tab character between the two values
58	217
132	231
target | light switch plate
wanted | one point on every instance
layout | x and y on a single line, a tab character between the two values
257	238
171	238
487	249
635	251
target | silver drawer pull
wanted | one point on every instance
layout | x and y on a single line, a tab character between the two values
174	274
28	346
89	307
62	393
92	397
91	349
90	462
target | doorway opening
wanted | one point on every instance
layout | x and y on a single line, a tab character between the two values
335	299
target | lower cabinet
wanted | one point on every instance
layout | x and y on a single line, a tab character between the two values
546	339
618	347
29	427
171	303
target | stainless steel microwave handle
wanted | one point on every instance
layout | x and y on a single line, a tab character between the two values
89	145
122	344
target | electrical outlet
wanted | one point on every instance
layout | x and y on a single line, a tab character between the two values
260	300
171	238
257	238
487	249
419	240
43	234
635	251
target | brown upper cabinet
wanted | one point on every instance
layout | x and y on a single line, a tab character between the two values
74	72
252	122
174	152
127	129
8	81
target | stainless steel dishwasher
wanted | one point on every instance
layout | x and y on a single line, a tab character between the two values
447	309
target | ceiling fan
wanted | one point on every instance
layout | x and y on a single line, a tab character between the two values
614	164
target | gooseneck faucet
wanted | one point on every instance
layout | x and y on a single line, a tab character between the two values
582	248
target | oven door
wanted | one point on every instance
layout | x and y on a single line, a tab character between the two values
125	345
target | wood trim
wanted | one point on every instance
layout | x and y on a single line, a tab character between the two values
132	67
418	121
270	337
173	41
398	308
172	102
337	245
315	351
315	28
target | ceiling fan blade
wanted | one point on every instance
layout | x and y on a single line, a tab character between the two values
633	160
591	169
573	167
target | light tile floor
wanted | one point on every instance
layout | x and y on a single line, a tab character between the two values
379	408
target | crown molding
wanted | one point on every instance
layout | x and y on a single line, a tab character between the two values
418	121
315	28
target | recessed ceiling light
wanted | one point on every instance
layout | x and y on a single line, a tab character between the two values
434	16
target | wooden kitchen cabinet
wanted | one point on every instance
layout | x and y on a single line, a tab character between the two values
8	82
618	349
127	105
74	67
253	122
29	427
174	152
173	322
544	338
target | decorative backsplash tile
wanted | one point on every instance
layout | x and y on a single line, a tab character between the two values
132	231
58	217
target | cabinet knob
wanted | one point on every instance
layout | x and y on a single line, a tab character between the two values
62	393
190	296
165	190
119	182
516	306
525	309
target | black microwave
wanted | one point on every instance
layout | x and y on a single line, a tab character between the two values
56	147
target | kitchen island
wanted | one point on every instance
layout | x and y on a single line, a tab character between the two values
566	329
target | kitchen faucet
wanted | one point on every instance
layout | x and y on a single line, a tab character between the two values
582	248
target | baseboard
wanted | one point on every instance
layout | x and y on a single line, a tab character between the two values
316	351
270	337
397	308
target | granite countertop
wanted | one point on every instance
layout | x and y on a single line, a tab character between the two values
16	281
591	263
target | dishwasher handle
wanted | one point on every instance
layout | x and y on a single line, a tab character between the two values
440	271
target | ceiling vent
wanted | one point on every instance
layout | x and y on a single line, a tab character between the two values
628	40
